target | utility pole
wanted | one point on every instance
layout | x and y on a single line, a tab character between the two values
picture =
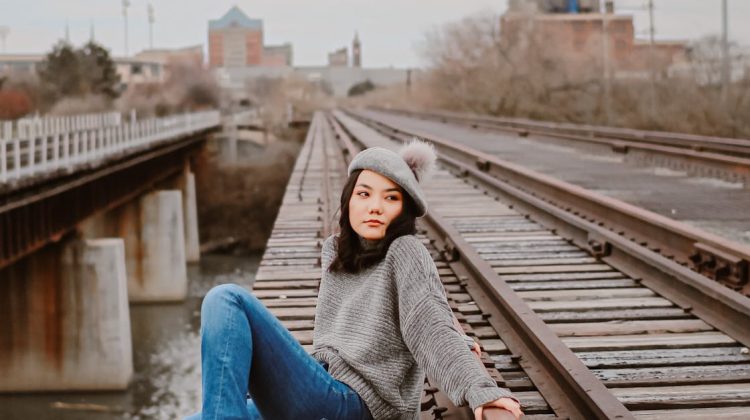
605	5
725	64
151	21
125	5
67	32
4	31
651	58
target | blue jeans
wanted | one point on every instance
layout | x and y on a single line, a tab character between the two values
244	348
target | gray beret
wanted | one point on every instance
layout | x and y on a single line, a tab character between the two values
395	167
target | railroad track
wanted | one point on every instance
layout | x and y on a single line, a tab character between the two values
590	133
723	260
567	330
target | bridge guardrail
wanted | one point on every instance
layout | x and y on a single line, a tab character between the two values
37	146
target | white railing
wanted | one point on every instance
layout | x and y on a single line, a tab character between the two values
32	147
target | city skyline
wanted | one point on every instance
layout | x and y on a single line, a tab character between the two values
39	24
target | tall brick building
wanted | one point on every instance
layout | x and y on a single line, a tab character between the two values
577	38
235	40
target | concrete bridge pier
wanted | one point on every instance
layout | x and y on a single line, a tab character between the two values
66	319
152	228
155	248
186	184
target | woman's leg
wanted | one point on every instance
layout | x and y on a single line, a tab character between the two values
244	347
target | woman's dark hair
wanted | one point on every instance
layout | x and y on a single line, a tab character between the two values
351	257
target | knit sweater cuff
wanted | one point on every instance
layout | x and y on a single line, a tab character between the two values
483	396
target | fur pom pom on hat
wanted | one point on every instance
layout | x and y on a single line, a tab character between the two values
413	163
420	157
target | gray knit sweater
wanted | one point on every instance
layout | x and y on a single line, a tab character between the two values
382	329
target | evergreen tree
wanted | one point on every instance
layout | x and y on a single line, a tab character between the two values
67	72
98	70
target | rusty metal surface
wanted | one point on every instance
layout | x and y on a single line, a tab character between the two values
723	260
569	387
42	214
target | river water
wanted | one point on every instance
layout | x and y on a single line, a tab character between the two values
166	357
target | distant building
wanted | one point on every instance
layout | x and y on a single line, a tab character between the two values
356	51
277	55
339	58
192	55
235	40
577	39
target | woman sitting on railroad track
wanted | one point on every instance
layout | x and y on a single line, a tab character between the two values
382	319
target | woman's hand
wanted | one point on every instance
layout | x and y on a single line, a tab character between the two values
477	350
505	403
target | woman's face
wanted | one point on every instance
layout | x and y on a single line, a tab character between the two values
375	202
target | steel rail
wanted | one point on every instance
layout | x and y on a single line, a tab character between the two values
567	385
584	132
718	258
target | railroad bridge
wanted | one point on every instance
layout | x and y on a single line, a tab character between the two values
585	306
96	211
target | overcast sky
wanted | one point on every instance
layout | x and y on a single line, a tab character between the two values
390	30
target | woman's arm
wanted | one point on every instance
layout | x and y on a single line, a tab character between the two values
427	328
500	409
440	350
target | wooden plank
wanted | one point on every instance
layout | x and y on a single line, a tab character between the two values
297	325
286	284
630	327
293	313
520	232
494	346
720	413
290	302
589	305
271	262
265	275
579	268
560	276
284	293
674	375
641	398
648	341
574	285
531	256
664	357
570	295
524	262
614	314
